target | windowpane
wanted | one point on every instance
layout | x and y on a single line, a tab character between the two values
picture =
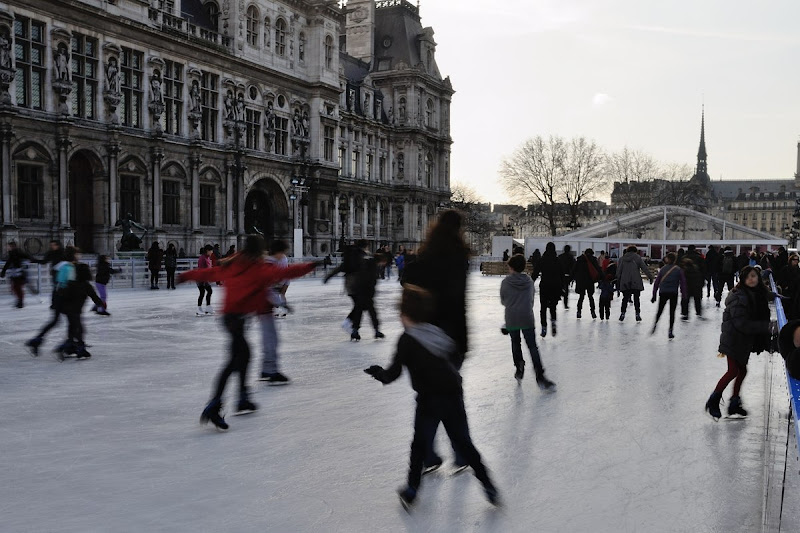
130	196
281	135
207	205
29	52
170	201
131	103
209	98
30	192
172	90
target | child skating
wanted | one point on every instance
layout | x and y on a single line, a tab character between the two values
425	349
516	295
606	287
669	280
104	272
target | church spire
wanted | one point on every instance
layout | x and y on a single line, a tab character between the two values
702	167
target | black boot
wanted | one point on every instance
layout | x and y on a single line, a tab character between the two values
520	373
355	336
33	345
712	405
735	407
212	414
544	383
594	315
553	327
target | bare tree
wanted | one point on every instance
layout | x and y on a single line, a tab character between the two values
584	174
533	175
634	174
479	225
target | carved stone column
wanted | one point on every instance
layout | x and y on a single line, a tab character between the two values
113	178
229	197
195	161
242	168
378	220
352	217
194	107
63	143
390	222
6	134
406	221
157	157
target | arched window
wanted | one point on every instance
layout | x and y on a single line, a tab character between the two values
429	170
301	47
328	52
280	37
267	33
252	25
211	11
429	113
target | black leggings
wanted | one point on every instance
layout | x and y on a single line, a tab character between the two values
154	278
239	357
170	278
363	303
205	289
56	315
663	298
546	303
627	298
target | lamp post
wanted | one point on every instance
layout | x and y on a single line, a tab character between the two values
344	207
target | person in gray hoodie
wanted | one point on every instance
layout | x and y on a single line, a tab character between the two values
516	295
629	280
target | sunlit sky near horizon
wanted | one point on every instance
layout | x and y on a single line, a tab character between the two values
625	73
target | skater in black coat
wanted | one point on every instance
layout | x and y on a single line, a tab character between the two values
713	265
746	328
586	273
788	279
15	267
154	257
694	268
171	264
426	351
567	262
73	298
550	287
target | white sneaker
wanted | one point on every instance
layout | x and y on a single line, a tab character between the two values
347	326
200	311
209	310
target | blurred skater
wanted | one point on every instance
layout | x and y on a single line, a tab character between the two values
64	273
606	288
425	350
204	261
171	264
567	262
154	257
586	273
550	286
276	300
72	300
15	268
669	281
104	272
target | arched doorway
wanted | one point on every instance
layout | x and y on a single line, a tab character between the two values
81	201
258	216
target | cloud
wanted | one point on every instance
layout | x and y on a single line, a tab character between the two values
734	36
600	99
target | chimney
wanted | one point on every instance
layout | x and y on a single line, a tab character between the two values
360	29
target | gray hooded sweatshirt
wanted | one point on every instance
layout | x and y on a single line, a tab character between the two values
516	294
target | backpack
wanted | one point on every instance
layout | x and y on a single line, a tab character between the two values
594	275
728	265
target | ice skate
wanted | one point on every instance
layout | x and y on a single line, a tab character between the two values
212	414
275	379
245	407
712	405
621	317
520	373
59	352
735	409
638	317
354	336
671	335
553	328
544	383
492	495
579	314
200	311
544	331
33	346
432	468
379	335
103	313
407	497
459	468
594	315
209	310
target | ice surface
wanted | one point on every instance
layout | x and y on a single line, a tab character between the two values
113	443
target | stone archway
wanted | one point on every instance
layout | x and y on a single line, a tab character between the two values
266	211
83	168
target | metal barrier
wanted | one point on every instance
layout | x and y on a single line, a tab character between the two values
794	384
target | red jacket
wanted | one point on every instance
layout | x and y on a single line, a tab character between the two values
246	281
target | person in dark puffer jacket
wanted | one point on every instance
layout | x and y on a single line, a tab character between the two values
104	272
670	278
746	328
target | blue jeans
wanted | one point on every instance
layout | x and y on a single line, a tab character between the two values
530	340
269	339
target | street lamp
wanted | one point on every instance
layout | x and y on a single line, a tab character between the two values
344	207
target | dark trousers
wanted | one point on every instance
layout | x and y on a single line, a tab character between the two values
735	371
154	278
18	288
75	329
626	298
530	340
56	315
585	292
363	303
605	308
663	299
723	281
566	293
205	290
697	294
449	410
239	357
547	302
170	278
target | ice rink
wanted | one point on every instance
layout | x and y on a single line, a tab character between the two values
114	444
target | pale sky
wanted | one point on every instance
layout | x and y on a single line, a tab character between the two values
623	72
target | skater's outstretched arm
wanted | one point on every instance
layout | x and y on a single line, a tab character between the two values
390	374
334	272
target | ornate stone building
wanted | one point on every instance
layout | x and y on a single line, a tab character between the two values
208	120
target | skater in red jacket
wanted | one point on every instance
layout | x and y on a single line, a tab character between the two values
246	278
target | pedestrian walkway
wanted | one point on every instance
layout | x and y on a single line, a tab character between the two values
113	443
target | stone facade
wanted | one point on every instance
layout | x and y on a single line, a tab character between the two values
209	121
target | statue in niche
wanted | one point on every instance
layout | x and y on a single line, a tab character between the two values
5	48
269	116
155	88
230	113
306	125
195	104
390	115
378	109
61	60
419	167
401	110
401	164
112	75
351	101
240	107
297	126
366	107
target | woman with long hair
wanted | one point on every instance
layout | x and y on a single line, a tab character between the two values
550	287
441	268
746	328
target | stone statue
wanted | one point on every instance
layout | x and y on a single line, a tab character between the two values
306	125
194	98
5	49
270	117
351	101
240	108
297	127
130	241
390	114
401	164
155	88
402	111
378	109
366	108
230	113
63	71
112	75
